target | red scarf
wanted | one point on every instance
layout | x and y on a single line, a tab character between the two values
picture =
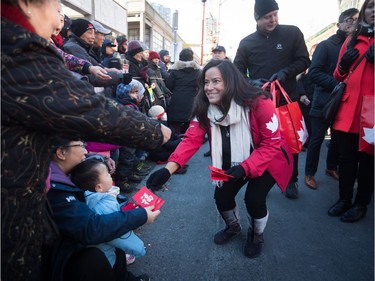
13	14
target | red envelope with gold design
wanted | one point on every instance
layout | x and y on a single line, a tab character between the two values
145	197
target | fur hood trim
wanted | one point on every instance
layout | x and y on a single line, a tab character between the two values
185	64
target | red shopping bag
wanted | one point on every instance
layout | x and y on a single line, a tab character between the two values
292	123
366	125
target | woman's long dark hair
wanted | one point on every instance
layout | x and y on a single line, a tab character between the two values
359	26
236	87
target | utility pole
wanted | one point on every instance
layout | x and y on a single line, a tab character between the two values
175	28
202	43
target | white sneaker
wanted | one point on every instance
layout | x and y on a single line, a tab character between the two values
130	259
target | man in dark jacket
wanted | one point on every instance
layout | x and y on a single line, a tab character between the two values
274	52
100	33
321	73
81	43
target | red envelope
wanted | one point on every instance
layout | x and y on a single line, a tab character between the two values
145	197
219	174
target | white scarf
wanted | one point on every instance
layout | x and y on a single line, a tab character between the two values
240	135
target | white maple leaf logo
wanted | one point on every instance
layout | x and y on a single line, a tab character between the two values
302	133
273	124
369	135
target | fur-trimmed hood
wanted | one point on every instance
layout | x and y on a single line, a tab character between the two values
178	65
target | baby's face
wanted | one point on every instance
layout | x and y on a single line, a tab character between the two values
105	179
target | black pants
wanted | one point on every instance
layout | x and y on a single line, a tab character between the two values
255	196
354	165
294	177
319	128
90	264
126	163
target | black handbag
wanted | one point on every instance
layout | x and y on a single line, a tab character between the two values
332	106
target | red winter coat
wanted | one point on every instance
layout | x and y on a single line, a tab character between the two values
271	152
359	84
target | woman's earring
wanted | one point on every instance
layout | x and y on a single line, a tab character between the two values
28	12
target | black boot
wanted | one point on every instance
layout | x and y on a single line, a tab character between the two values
232	229
254	241
254	244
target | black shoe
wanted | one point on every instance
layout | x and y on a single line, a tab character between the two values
142	169
207	154
223	236
125	187
291	191
143	277
339	208
355	213
135	178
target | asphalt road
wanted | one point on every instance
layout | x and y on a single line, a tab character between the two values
302	243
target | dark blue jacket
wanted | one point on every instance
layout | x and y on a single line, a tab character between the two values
323	64
79	226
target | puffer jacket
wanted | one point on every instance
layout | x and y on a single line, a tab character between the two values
41	99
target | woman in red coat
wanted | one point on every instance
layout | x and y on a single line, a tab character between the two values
353	164
245	141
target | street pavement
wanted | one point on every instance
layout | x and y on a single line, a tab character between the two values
302	243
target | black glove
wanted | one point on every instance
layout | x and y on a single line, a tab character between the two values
257	82
370	54
126	78
157	179
347	59
280	76
237	172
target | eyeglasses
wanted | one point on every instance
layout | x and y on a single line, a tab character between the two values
82	145
350	20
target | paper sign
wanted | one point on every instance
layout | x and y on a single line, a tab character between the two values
219	174
145	197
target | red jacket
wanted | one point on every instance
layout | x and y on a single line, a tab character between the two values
360	83
271	152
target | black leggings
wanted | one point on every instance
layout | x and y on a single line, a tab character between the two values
255	196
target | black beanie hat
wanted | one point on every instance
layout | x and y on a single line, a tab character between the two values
134	47
263	7
121	39
80	26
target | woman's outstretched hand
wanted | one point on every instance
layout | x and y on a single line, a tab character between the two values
157	179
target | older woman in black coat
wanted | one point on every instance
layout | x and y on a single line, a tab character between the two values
41	99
